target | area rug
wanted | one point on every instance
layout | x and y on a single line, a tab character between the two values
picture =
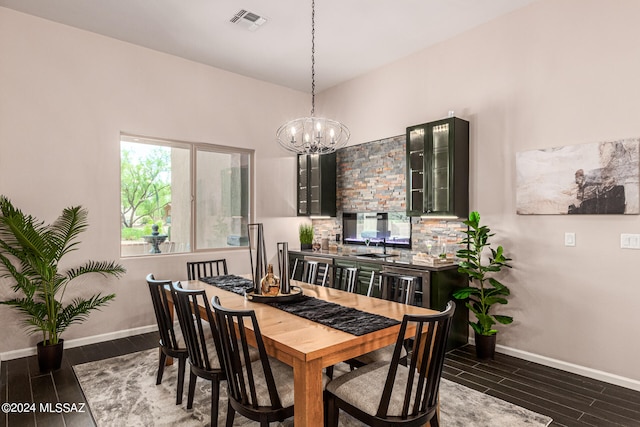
122	391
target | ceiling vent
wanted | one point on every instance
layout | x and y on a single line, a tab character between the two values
249	20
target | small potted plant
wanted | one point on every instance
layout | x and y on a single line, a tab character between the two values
484	290
30	255
306	236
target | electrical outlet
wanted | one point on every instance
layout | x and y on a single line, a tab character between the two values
569	239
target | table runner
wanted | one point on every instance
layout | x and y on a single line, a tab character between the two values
345	319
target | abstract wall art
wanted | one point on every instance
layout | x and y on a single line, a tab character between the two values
594	178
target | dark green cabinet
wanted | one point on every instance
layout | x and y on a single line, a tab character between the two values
438	168
317	185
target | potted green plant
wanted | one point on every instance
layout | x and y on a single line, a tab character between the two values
30	254
484	290
305	232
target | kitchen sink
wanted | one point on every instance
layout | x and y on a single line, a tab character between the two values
375	255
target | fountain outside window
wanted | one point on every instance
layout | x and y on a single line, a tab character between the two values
155	239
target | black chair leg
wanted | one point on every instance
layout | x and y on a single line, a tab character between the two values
231	414
182	363
332	411
163	359
215	394
329	371
192	389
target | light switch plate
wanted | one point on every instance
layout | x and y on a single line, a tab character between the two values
629	241
569	239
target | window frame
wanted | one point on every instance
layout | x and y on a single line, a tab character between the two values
194	148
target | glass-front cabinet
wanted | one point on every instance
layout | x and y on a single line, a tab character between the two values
438	168
317	185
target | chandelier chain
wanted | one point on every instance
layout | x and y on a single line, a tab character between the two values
313	57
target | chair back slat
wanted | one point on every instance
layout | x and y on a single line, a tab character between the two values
198	269
241	376
373	282
425	363
161	309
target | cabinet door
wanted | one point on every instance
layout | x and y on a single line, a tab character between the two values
441	187
415	170
317	185
303	185
364	277
439	176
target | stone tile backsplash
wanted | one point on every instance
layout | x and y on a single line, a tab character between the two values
371	178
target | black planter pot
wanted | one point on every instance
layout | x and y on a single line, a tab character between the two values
304	246
50	356
485	346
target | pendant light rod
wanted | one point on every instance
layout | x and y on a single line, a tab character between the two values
313	57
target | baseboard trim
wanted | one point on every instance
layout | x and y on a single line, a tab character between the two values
25	352
569	367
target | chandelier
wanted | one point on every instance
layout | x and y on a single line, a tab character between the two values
313	135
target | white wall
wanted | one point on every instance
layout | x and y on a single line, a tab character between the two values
65	96
556	73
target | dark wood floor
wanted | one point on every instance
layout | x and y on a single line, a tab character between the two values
571	400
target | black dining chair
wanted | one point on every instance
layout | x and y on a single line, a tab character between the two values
261	390
341	277
385	394
198	269
310	271
399	287
171	342
204	358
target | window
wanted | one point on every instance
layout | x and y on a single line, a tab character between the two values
182	197
392	228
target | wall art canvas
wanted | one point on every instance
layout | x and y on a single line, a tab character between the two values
594	178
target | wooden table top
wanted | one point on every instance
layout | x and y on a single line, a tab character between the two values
304	339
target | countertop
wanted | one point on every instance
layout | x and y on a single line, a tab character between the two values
359	254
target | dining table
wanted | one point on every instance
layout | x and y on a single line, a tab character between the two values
308	346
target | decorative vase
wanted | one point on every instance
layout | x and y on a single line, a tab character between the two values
50	356
270	284
258	269
485	346
283	265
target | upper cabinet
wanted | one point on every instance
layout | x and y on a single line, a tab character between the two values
438	168
317	185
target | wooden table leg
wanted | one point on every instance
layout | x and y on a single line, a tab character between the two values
308	400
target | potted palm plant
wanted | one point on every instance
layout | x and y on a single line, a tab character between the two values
484	290
305	232
30	255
